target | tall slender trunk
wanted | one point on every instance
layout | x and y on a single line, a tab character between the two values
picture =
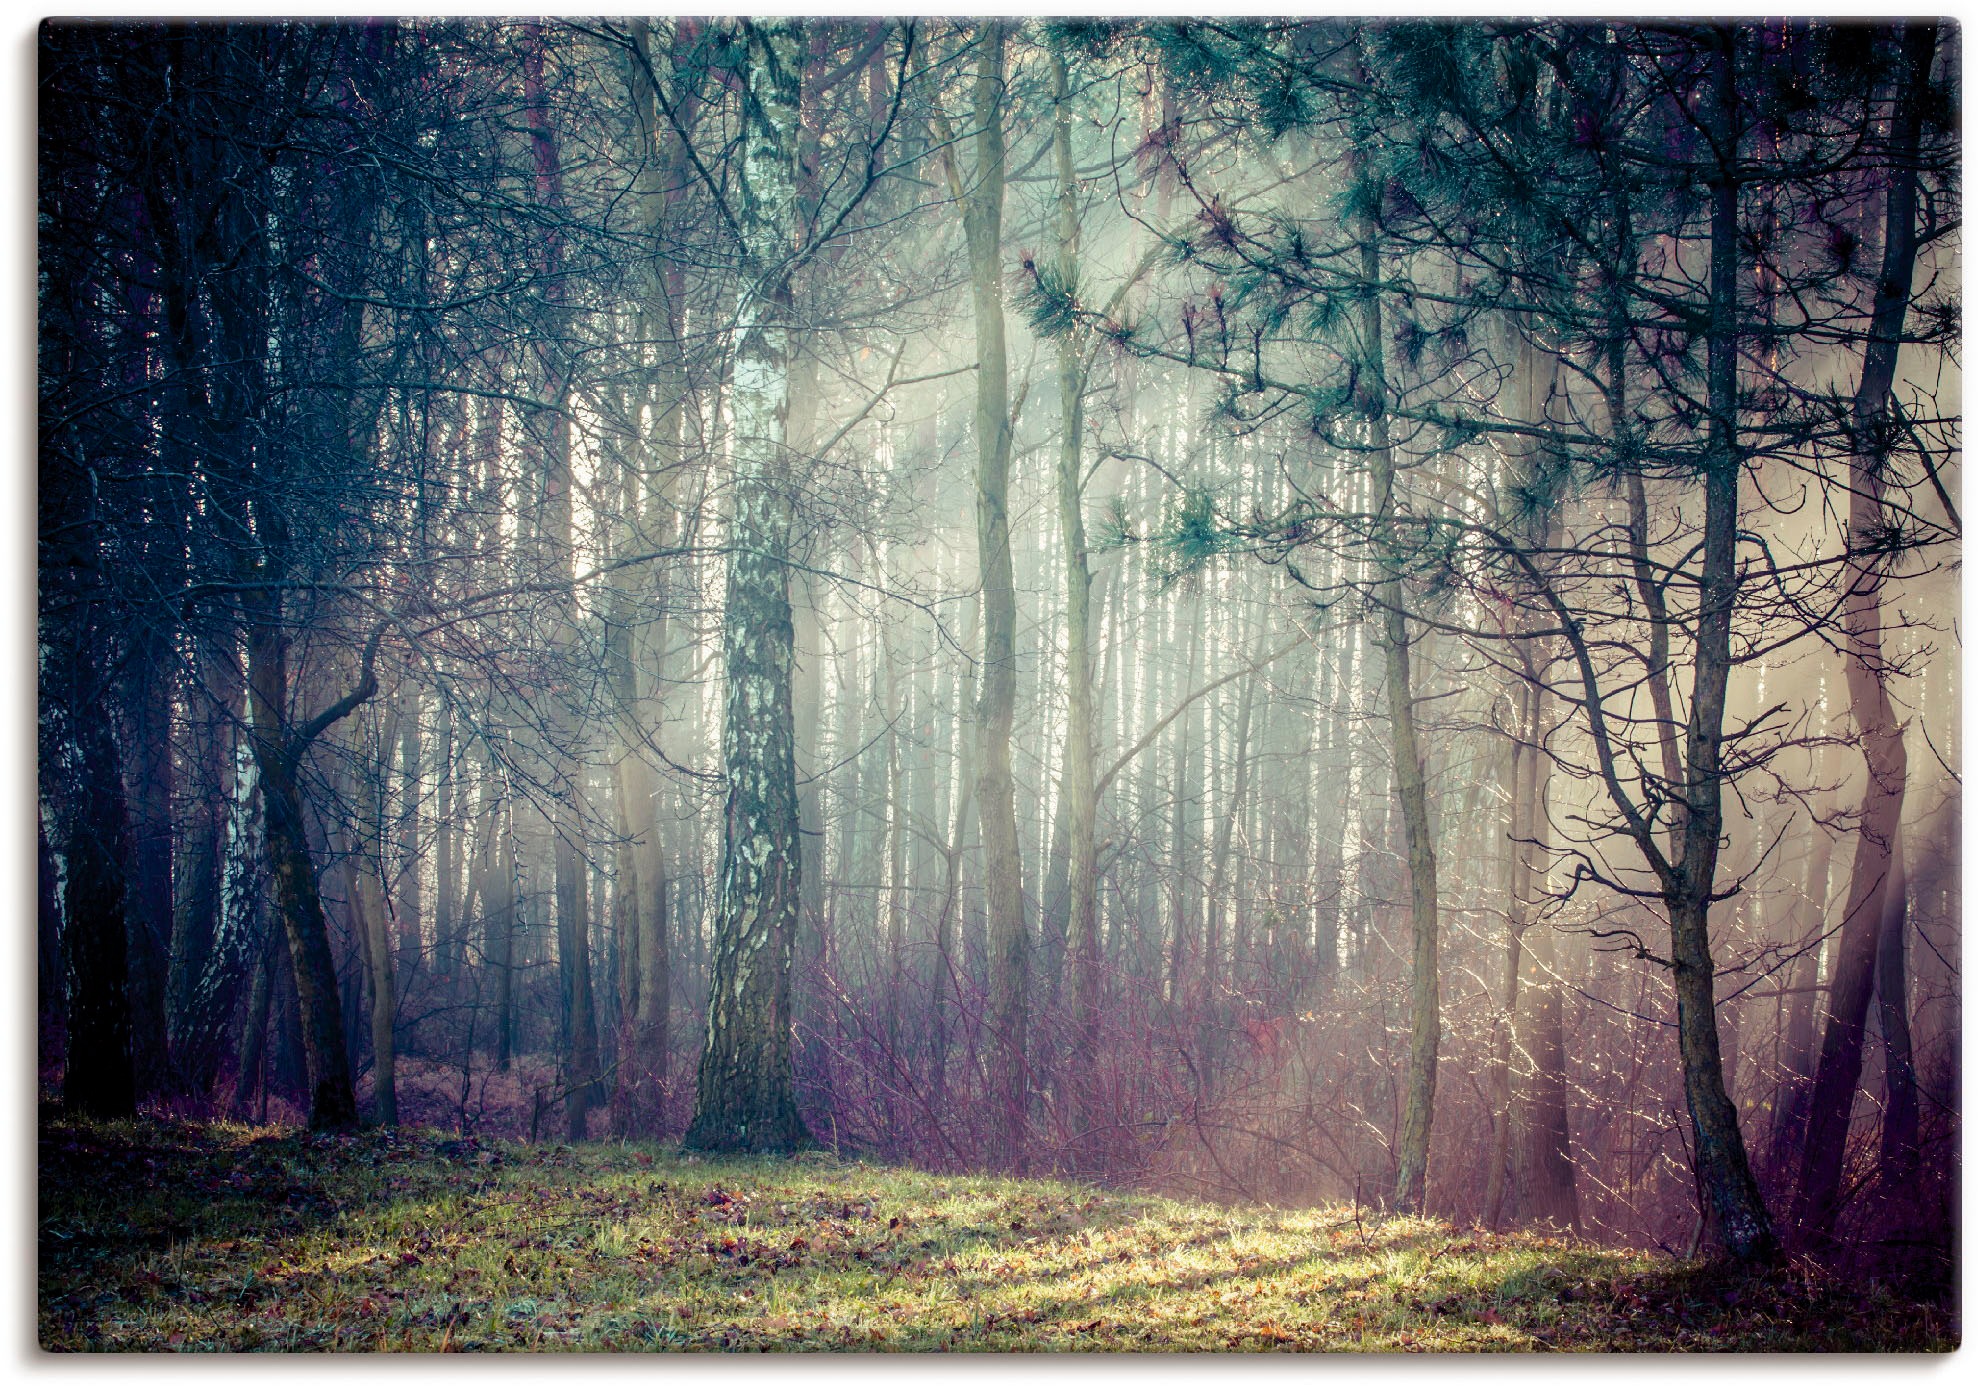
1498	1079
1410	781
1899	1108
1211	978
569	825
643	882
251	1068
1002	860
148	906
745	1092
893	855
1542	1175
1185	800
1809	917
92	840
501	942
1817	1201
446	851
1719	1150
371	907
407	895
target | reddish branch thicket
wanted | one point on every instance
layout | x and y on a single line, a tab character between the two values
1293	610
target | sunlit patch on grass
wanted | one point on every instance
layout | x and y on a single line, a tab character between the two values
171	1236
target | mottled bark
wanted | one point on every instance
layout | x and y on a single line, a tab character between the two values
250	1070
745	1097
50	994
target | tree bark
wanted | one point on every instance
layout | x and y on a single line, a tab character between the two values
92	839
642	1048
501	942
364	868
578	1050
1817	1201
1410	782
1810	924
148	913
1719	1151
291	868
1899	1109
744	1092
1002	860
407	894
1498	1079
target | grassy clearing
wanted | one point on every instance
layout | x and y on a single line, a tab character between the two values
157	1235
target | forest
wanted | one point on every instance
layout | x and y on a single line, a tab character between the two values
1311	614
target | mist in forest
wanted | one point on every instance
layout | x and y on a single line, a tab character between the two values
1292	611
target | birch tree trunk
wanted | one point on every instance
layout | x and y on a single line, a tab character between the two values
745	1090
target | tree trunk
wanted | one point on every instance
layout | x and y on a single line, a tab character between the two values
1719	1151
407	897
92	839
148	905
208	960
500	911
1542	1176
1810	924
1498	1080
578	1048
1002	861
447	942
372	917
1899	1114
1541	1151
292	870
250	1072
1410	782
332	1101
744	1092
1816	1204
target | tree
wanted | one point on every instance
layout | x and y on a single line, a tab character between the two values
744	1099
1874	890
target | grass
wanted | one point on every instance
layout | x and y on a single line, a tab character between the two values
168	1235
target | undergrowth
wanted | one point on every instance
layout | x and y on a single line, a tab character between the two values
172	1235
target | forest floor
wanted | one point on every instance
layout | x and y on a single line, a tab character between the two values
173	1235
